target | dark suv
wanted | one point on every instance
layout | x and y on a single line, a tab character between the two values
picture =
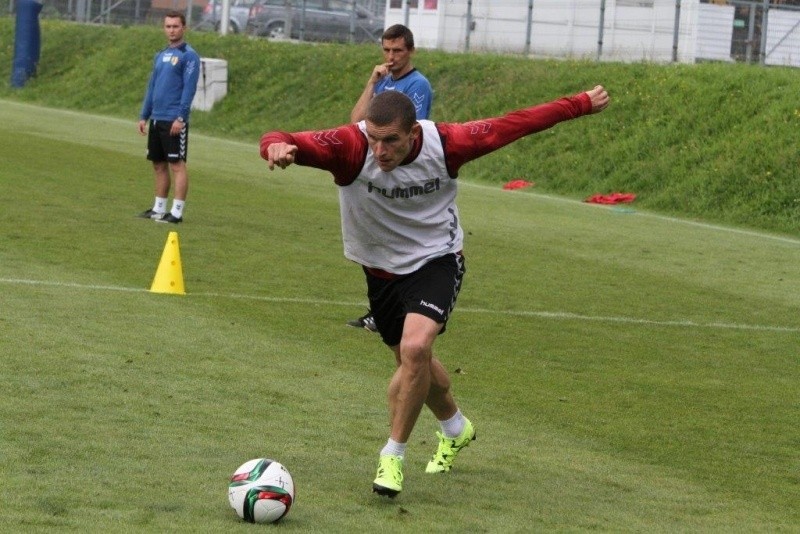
321	20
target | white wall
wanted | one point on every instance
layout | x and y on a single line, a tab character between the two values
713	32
783	38
570	28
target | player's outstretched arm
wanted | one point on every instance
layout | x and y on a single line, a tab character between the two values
599	98
280	154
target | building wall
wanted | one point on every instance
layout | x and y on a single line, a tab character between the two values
632	31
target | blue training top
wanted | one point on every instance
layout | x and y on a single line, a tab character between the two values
172	84
415	86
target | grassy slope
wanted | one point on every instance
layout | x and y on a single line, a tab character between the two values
710	141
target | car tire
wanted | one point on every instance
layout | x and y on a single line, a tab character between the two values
232	27
276	31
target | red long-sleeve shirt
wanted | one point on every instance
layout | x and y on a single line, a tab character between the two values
343	150
398	220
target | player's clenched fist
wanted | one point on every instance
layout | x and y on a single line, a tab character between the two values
599	97
280	154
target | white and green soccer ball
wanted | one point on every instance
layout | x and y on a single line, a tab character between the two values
261	491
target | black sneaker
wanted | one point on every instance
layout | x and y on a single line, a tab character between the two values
150	214
169	218
367	322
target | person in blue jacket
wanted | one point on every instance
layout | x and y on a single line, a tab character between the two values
396	73
166	106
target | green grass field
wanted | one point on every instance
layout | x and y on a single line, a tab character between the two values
625	371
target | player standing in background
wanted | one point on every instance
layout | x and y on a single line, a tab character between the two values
396	73
166	105
397	181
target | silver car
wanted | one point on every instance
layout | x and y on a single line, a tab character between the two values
212	16
321	20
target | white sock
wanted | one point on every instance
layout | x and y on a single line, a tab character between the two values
393	448
453	427
177	208
160	205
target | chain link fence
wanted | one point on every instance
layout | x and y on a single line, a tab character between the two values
123	12
757	31
751	31
763	31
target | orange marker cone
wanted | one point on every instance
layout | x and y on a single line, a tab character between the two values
169	275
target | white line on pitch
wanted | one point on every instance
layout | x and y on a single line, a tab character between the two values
565	316
22	282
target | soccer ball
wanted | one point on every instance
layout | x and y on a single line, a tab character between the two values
261	491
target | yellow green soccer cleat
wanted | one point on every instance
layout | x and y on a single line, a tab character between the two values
442	461
389	480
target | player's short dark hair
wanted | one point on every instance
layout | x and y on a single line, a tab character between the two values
389	106
396	32
176	15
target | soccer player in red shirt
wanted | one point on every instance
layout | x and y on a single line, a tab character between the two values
397	179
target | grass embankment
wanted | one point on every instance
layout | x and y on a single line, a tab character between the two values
715	142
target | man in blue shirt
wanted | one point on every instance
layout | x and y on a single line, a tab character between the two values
396	73
166	106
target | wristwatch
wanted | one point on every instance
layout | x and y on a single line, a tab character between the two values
180	119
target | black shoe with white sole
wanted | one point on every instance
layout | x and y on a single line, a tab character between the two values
367	321
150	214
170	218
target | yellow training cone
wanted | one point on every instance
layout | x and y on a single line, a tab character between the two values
169	276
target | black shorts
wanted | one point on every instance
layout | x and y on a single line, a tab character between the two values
430	291
161	146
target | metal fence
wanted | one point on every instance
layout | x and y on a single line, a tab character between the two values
762	31
123	12
751	29
755	31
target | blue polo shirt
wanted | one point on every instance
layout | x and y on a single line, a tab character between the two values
415	86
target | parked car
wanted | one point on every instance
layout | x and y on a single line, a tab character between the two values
321	20
212	16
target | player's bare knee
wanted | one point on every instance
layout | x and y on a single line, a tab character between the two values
415	351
